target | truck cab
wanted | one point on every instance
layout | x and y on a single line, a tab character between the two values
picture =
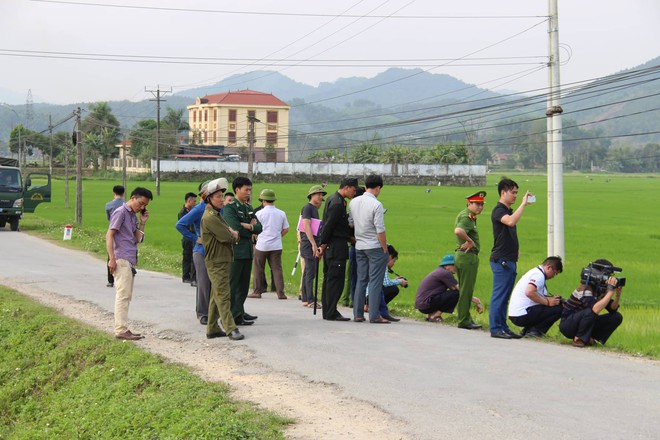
17	198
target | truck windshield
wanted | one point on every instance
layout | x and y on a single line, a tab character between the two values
10	179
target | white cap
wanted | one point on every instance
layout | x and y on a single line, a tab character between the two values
217	185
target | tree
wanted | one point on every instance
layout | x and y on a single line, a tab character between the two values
365	153
483	156
393	155
171	125
143	140
270	152
103	125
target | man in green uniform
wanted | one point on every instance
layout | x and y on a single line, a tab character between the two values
467	258
218	239
240	217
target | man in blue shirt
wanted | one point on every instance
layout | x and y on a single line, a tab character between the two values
116	202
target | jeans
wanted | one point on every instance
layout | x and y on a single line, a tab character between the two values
503	281
371	265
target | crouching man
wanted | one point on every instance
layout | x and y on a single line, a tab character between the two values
598	290
531	307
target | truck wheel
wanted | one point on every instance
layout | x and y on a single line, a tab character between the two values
13	224
3	222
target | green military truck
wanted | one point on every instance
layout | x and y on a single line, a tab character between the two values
16	198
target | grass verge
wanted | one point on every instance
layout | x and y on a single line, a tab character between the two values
62	379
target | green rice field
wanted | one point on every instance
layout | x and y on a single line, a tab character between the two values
606	216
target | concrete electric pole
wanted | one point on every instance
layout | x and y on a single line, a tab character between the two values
158	94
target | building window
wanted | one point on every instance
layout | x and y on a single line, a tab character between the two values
271	138
194	115
272	117
251	114
215	115
232	115
206	137
206	115
214	137
231	138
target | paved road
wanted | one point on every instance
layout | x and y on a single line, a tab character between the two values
444	382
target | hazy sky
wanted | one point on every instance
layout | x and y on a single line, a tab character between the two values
320	41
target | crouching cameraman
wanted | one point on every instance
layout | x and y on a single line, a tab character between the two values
598	291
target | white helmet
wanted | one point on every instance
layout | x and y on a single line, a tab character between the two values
217	185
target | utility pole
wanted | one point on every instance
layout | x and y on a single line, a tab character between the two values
123	162
50	143
66	174
555	160
158	101
251	121
79	163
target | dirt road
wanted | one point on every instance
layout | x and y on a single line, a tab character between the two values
407	380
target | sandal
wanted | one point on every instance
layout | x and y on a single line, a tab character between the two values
436	319
311	306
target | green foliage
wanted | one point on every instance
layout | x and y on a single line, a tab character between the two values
62	379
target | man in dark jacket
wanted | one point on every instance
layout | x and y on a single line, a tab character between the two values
335	236
187	268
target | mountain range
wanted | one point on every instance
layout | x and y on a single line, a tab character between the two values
402	104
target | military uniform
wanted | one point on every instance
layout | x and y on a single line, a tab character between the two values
239	280
218	245
467	263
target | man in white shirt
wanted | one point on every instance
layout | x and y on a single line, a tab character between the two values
530	306
365	213
269	245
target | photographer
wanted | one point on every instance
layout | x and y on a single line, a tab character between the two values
598	290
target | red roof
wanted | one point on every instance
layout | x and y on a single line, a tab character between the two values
244	98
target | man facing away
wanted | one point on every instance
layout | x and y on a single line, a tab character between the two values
504	255
335	236
240	217
116	202
187	266
269	245
466	257
121	240
366	215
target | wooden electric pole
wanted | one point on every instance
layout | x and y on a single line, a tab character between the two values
251	121
158	94
79	164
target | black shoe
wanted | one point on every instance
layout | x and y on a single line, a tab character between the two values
249	317
244	322
110	285
501	335
471	326
186	280
512	334
204	320
219	334
340	318
533	334
235	335
391	318
193	284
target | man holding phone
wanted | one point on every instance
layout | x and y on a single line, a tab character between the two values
504	256
121	240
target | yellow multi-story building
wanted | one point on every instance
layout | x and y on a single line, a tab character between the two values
222	119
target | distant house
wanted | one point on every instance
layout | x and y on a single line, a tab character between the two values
221	120
133	165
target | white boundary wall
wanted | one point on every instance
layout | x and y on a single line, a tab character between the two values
312	169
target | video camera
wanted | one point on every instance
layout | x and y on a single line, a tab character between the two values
597	275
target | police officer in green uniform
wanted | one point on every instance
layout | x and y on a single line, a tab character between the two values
467	258
218	240
240	217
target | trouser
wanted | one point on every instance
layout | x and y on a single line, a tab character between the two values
220	301
586	324
390	292
467	266
274	259
309	271
334	273
124	280
504	278
111	278
187	266
444	302
351	279
539	318
239	283
371	265
203	286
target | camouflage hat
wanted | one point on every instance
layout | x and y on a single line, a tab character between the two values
268	195
316	189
